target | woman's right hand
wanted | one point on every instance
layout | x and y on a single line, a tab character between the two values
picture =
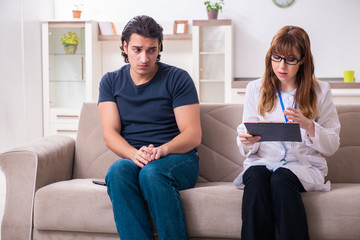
247	139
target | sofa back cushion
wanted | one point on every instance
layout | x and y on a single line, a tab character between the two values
344	165
219	156
220	159
92	157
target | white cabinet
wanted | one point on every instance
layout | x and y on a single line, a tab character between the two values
238	95
213	59
64	121
68	79
347	96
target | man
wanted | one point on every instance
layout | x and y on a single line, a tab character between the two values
150	118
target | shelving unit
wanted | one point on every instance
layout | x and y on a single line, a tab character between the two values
68	79
213	59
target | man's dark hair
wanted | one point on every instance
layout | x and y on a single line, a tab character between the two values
144	26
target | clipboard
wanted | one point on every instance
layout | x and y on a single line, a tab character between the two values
274	131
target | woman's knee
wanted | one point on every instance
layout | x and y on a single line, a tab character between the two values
257	175
283	179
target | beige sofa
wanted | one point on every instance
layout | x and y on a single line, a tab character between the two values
50	194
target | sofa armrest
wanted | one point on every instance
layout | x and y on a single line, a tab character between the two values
26	169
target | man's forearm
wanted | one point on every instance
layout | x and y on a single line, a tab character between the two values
117	144
184	142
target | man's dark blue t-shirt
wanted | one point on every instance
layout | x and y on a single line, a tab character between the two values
147	110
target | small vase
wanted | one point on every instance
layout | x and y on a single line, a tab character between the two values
70	49
76	13
212	14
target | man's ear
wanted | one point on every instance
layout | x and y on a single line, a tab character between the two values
125	47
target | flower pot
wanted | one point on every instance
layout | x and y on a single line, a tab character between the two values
212	14
70	49
76	13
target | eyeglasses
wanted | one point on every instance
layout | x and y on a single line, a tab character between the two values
289	61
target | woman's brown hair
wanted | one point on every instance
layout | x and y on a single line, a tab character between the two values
287	40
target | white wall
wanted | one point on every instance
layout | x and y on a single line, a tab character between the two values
20	70
333	26
20	74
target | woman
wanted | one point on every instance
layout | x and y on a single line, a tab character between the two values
276	172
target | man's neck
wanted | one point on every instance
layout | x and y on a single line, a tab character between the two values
139	79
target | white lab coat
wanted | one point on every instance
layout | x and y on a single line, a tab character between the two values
305	159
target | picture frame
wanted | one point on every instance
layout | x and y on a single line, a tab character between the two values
180	27
107	28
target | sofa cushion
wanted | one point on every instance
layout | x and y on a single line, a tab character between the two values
80	206
344	165
218	147
76	205
220	159
212	209
92	157
334	214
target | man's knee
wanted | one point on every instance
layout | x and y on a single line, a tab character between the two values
152	174
122	168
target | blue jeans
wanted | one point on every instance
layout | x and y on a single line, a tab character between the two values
135	191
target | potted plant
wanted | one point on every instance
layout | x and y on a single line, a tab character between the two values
213	8
77	4
70	41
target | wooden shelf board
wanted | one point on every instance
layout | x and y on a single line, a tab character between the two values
211	81
218	22
166	37
109	37
344	85
212	53
177	37
66	24
333	84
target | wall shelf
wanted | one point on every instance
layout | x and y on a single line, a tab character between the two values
333	84
218	22
342	92
166	37
211	53
67	55
211	81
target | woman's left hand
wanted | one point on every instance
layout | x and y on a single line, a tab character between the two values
295	115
